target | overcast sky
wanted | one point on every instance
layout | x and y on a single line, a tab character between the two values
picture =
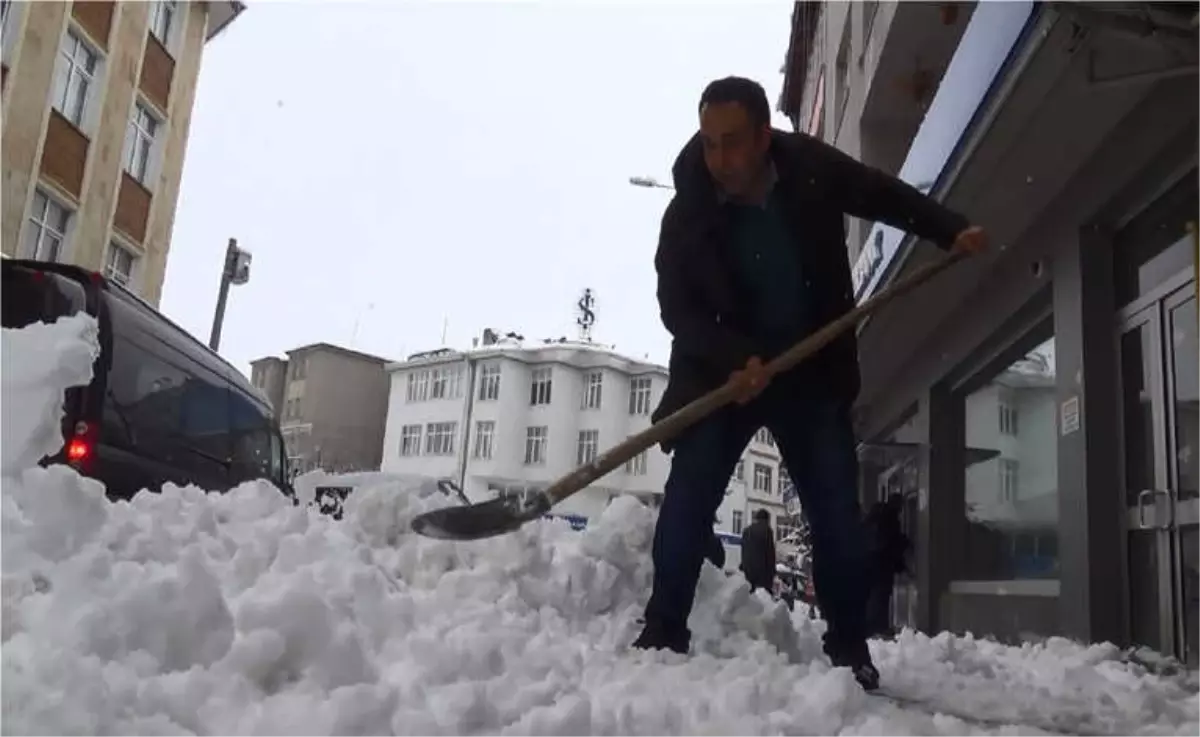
406	165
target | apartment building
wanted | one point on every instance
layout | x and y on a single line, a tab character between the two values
507	416
1037	406
96	103
331	403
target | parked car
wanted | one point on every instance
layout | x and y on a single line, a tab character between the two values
161	406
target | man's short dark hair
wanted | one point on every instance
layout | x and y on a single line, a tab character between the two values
762	515
745	92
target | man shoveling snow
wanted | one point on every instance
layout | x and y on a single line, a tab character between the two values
751	260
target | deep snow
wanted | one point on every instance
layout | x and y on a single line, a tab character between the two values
183	612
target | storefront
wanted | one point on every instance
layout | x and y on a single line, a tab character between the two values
1037	406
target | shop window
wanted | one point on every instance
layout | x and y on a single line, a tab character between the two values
1011	470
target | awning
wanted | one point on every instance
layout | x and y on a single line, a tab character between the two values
998	34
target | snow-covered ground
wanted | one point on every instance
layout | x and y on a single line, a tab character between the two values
183	612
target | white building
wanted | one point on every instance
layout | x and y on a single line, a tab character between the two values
509	416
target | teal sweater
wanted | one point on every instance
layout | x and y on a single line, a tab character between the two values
769	266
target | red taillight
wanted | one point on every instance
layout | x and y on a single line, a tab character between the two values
79	447
77	450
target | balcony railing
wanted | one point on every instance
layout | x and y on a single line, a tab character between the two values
990	36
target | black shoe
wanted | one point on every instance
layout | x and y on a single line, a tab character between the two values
856	657
656	636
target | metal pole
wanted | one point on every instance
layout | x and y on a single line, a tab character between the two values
214	339
472	370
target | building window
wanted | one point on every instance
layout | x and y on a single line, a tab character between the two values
785	482
783	527
445	383
639	395
842	67
439	438
1011	479
489	383
764	436
298	367
1008	480
47	230
762	478
417	389
636	466
588	447
539	387
10	13
410	441
162	17
592	385
73	78
869	9
535	445
735	524
139	143
485	432
1008	418
739	471
118	264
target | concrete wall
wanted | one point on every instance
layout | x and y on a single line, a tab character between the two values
344	399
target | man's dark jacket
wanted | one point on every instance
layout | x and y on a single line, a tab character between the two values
704	306
758	554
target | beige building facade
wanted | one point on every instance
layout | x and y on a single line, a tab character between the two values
332	404
96	105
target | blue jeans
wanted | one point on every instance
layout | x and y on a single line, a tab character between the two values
816	441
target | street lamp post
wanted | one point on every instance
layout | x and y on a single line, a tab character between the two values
649	182
235	271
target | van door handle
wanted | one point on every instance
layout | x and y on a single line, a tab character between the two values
1141	507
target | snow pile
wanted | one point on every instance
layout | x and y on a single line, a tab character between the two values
186	612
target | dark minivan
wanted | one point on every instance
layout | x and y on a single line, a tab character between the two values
161	405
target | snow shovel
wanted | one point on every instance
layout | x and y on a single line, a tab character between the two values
505	514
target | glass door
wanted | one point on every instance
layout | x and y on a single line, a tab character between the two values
1183	466
1158	363
1144	473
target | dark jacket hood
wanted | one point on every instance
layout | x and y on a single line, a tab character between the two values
690	173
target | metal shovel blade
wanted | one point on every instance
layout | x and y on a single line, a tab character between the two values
478	521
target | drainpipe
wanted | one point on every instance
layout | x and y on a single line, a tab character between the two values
472	365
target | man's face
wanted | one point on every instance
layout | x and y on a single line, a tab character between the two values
735	149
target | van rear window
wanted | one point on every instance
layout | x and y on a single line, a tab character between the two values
29	296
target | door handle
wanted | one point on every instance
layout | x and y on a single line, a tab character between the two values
1141	509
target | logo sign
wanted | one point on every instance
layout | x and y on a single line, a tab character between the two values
868	261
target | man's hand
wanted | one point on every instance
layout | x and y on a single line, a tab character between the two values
971	241
749	381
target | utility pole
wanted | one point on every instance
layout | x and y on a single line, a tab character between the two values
236	270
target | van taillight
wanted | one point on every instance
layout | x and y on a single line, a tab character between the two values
77	450
79	447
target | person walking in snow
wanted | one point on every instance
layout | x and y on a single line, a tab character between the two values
751	259
758	552
888	550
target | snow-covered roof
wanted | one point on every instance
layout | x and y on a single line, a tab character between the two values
583	354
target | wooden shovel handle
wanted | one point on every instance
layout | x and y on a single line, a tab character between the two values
679	420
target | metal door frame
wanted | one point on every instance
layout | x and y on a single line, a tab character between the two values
1150	310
